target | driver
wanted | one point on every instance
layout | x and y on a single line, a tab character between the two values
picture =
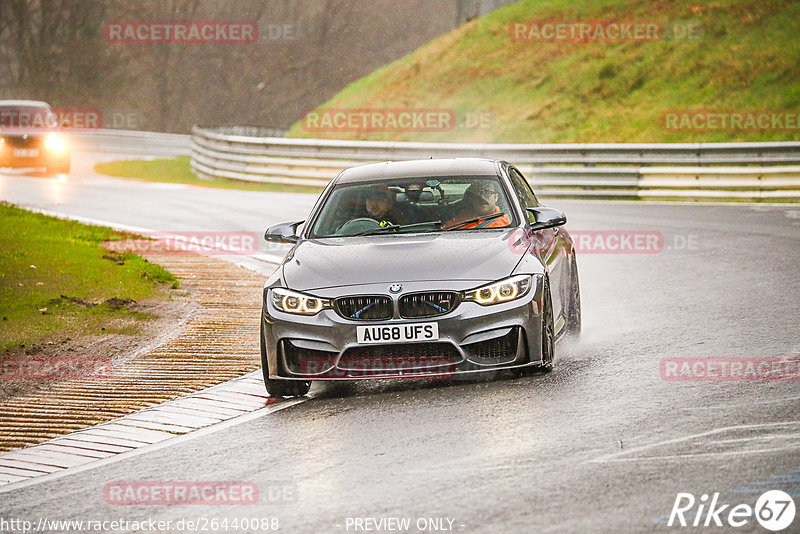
380	206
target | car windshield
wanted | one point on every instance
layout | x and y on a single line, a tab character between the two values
27	118
413	205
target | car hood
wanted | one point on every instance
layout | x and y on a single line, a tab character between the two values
480	256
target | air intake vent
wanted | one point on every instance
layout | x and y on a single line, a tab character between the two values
428	304
365	308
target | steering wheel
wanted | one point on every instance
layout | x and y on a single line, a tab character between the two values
356	226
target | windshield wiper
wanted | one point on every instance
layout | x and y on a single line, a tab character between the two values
397	227
476	219
377	230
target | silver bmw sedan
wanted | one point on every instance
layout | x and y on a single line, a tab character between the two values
436	268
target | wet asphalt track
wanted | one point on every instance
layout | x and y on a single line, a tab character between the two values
602	444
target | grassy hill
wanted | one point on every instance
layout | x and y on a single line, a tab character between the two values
740	55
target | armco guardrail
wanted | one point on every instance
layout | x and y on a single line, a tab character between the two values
768	171
131	142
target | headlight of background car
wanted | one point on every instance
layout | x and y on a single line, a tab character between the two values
54	143
299	303
502	291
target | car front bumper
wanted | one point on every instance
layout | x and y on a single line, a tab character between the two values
472	339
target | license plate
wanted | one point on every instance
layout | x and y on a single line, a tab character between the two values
26	152
397	333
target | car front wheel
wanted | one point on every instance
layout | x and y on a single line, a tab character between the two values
548	342
574	302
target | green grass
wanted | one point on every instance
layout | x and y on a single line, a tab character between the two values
44	259
179	171
541	92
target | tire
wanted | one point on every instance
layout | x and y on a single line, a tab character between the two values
548	341
574	302
280	388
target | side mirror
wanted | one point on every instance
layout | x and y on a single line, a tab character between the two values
547	218
283	232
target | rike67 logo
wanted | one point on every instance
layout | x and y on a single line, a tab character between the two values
774	511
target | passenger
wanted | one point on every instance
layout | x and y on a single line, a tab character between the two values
480	200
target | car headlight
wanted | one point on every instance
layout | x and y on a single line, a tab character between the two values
299	303
54	143
503	291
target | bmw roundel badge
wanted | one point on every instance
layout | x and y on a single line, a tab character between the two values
395	288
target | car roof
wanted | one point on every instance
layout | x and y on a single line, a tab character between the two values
26	103
418	168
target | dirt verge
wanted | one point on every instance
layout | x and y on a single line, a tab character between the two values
205	338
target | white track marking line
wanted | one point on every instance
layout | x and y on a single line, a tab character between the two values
694	455
618	456
739	405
